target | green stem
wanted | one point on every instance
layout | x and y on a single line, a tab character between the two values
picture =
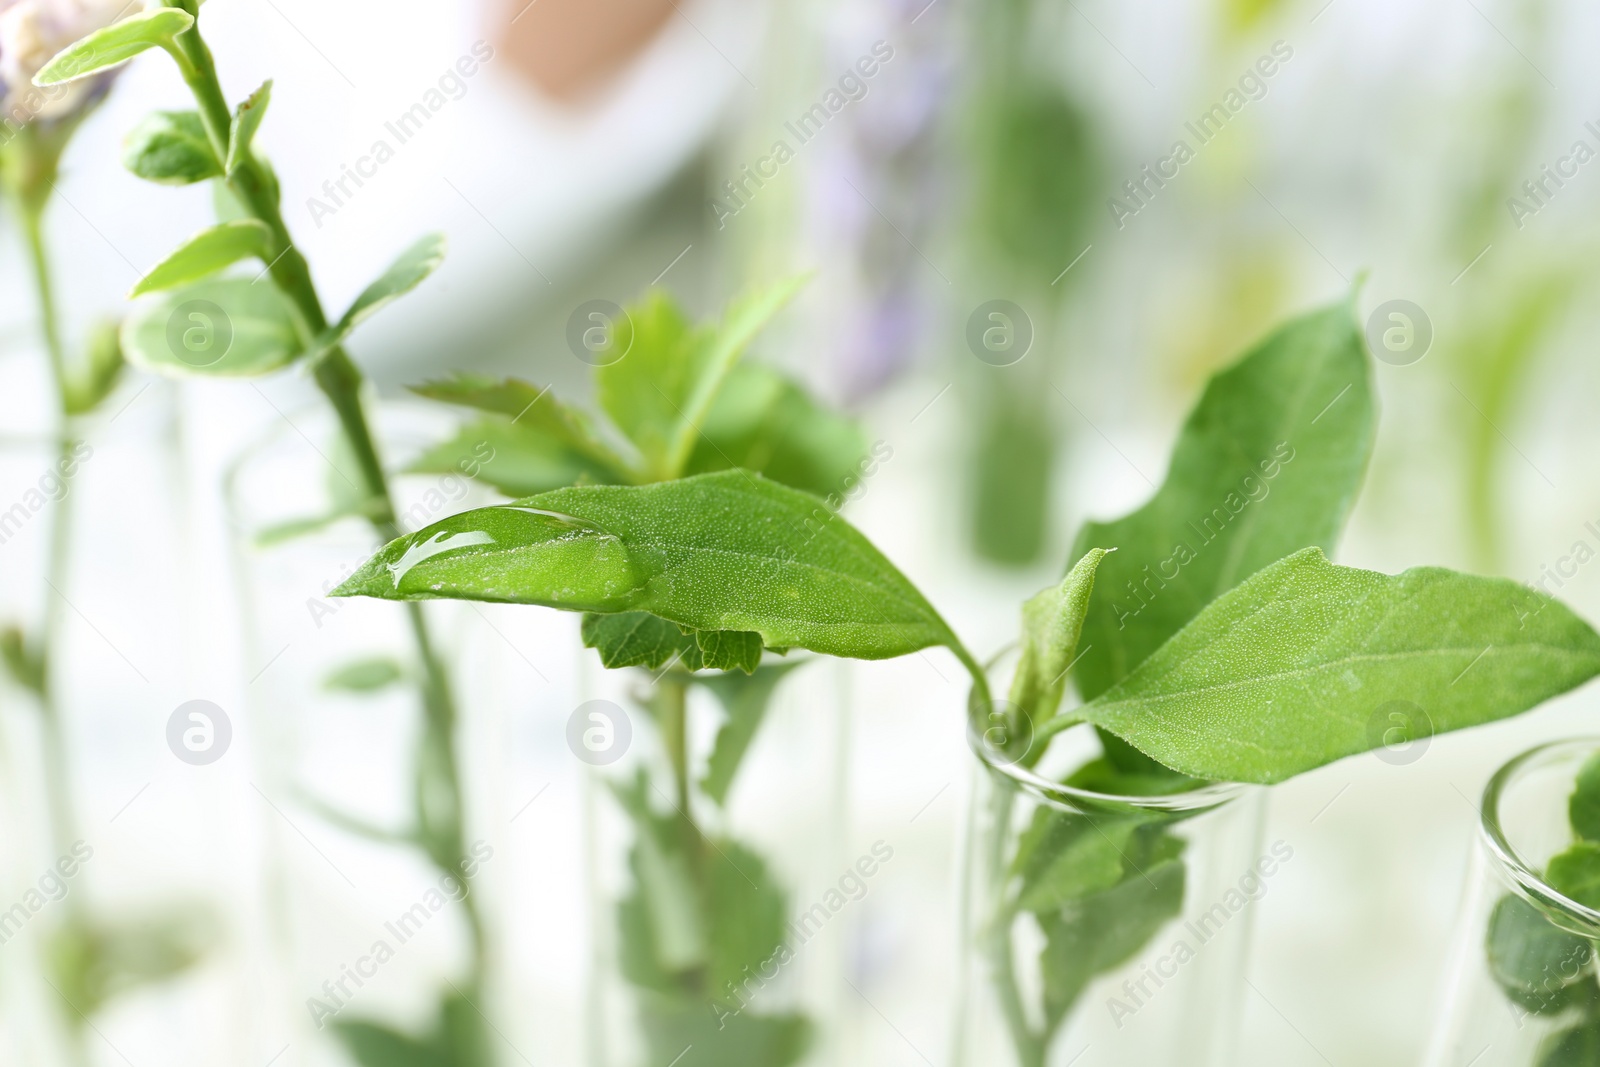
439	794
1029	1045
671	700
56	768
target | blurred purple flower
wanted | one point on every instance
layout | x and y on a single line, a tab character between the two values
31	33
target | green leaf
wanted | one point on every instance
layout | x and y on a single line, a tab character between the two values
762	421
722	551
1062	857
22	661
1012	468
152	28
727	650
1577	1046
745	912
663	919
745	699
1576	873
1583	809
206	253
660	392
365	676
92	963
223	327
404	274
1293	668
246	121
696	1036
1269	462
1051	623
89	384
375	1045
1533	961
1100	932
513	459
171	147
639	639
537	417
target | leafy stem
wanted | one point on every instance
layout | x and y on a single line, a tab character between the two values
438	787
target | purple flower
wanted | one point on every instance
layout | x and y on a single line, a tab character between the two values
31	33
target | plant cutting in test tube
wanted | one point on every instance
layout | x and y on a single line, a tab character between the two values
1207	634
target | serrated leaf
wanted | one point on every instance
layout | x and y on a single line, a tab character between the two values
744	699
728	650
1269	462
120	41
1286	671
404	274
365	676
172	148
206	253
543	422
513	460
1575	873
762	421
1583	808
223	327
660	392
722	551
639	639
1051	624
246	121
1534	962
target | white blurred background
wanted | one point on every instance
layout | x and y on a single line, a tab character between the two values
580	163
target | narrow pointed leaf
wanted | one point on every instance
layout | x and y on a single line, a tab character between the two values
404	274
1269	462
1051	624
206	253
225	327
119	41
246	121
1295	667
725	551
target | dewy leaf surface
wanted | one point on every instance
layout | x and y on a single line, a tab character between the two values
1291	669
726	551
1269	462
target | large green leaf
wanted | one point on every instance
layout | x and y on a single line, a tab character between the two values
1583	807
1576	873
660	392
1576	1046
1290	669
1051	623
726	551
151	28
1269	462
762	421
206	253
223	327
